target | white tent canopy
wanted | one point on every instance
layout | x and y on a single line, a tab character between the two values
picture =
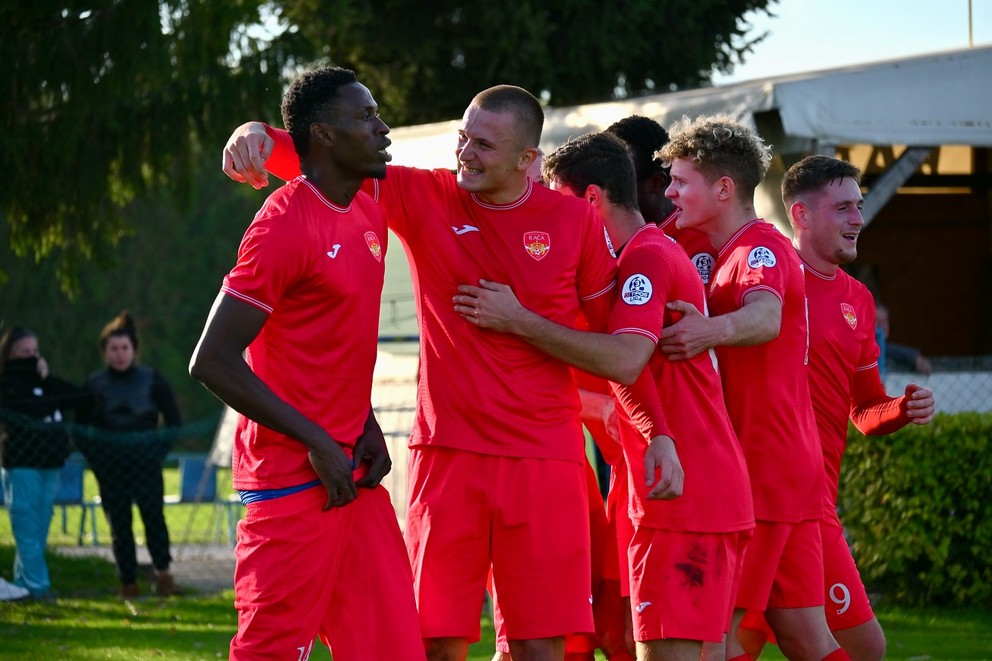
939	99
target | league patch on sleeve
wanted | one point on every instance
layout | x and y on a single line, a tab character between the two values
636	290
704	264
761	256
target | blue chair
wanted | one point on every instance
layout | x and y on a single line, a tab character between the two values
198	485
70	493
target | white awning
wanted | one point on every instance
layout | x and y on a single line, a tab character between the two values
939	99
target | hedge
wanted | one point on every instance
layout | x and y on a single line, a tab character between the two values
917	506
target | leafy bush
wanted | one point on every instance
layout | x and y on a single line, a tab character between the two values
918	508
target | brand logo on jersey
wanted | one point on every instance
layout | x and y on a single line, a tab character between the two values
850	315
464	229
374	246
761	256
609	244
641	606
537	244
333	252
704	263
637	290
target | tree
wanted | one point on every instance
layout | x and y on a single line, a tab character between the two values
103	100
107	99
424	63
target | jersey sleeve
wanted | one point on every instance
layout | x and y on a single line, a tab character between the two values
642	404
765	268
873	412
597	265
644	281
284	161
268	262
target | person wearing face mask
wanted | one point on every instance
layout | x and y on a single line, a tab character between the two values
33	406
125	448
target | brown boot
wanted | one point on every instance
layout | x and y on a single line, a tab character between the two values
129	591
165	585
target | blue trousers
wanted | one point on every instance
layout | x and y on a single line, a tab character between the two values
30	498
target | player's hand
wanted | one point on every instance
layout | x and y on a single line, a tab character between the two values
919	404
490	305
662	462
42	368
370	448
245	154
334	469
690	335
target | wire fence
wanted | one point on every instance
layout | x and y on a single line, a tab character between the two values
202	510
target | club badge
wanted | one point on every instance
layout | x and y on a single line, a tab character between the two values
374	246
850	315
537	244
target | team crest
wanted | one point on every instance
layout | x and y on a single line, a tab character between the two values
374	246
761	256
850	315
704	264
637	290
537	244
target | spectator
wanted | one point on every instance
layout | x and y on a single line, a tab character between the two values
33	403
897	357
126	449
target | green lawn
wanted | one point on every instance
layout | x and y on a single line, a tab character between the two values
88	622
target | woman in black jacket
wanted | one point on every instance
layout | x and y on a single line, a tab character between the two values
33	404
126	449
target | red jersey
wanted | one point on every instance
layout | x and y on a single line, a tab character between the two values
481	390
654	270
843	371
697	246
317	270
766	386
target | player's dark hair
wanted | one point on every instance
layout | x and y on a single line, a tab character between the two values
812	173
600	159
644	137
523	104
310	99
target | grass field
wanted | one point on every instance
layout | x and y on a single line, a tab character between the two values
88	622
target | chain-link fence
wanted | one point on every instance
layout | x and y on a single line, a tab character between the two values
201	509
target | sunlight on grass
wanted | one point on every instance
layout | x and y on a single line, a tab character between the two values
88	622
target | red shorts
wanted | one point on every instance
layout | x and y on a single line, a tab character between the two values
783	567
342	574
683	584
847	603
527	518
604	566
618	514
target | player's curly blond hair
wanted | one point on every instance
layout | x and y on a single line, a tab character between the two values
720	145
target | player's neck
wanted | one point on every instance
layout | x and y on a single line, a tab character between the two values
732	219
335	186
506	194
814	261
621	224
